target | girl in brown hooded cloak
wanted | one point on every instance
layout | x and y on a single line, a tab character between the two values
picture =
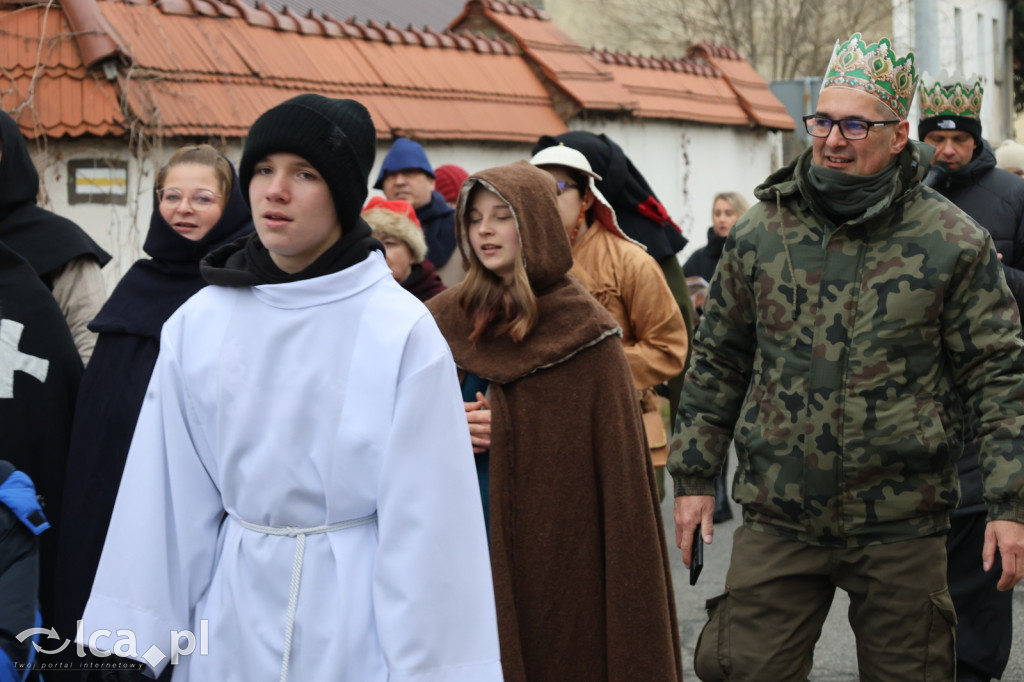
581	575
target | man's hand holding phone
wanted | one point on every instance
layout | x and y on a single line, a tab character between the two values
693	515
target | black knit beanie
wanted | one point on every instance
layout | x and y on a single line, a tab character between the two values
968	125
336	136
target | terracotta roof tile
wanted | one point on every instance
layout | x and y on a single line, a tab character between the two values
561	59
763	107
210	67
720	87
93	35
203	67
45	85
676	89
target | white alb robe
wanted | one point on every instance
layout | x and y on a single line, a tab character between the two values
302	404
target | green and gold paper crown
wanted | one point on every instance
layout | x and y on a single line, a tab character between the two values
956	99
875	70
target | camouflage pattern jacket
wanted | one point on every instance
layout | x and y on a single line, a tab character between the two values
832	355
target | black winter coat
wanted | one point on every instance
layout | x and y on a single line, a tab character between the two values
705	259
438	221
995	199
21	520
40	371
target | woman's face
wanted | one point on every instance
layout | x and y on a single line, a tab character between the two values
572	199
493	234
724	217
190	200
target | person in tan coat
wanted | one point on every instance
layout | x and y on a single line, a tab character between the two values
581	577
617	271
627	282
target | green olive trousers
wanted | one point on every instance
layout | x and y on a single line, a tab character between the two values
778	593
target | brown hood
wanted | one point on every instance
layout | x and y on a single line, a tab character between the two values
570	318
532	195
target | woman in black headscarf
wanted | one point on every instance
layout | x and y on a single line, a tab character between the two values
197	207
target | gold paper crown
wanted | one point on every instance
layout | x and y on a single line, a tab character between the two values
955	99
875	70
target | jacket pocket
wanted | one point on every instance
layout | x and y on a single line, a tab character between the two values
747	431
931	429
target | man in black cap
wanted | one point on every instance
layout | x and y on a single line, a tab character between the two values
964	171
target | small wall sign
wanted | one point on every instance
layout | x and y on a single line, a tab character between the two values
97	181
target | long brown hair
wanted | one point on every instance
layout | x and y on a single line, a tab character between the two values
493	307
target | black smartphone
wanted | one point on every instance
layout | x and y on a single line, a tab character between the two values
696	556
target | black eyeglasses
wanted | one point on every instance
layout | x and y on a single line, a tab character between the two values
564	185
850	128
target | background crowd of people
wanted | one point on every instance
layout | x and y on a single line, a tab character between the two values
404	438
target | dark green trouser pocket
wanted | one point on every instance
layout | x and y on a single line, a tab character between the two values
710	660
940	665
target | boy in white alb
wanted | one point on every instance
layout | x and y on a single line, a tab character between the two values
301	483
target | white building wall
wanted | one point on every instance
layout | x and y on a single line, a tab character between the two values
964	38
685	164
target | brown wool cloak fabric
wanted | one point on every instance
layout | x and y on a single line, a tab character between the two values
578	552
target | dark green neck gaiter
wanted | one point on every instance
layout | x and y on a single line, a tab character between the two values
844	196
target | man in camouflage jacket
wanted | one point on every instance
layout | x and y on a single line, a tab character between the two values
849	308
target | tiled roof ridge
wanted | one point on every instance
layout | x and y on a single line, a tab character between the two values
686	65
311	23
719	51
517	9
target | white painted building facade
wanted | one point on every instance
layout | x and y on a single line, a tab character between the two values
963	38
686	164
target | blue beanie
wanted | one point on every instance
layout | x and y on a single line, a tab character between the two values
404	154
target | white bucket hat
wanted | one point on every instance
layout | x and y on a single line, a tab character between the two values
567	157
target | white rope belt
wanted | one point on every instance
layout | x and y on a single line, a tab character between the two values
300	549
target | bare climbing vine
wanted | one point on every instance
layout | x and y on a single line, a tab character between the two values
125	225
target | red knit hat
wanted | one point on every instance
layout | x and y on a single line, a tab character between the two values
397	205
448	181
396	218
